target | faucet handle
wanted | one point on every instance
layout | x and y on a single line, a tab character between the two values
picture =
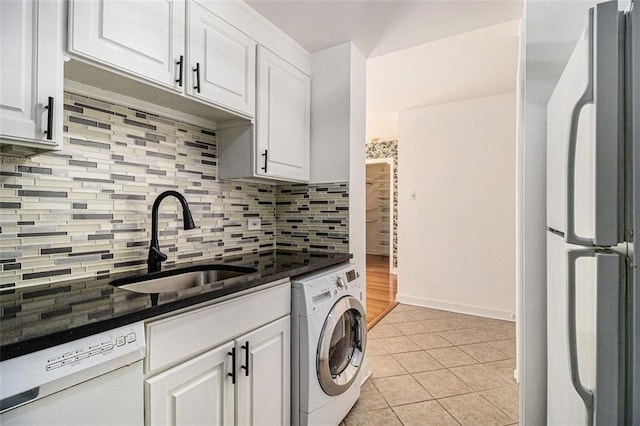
157	253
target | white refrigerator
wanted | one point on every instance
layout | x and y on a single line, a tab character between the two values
593	191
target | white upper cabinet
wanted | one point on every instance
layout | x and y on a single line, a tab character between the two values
218	53
178	44
278	146
146	38
31	76
283	119
222	62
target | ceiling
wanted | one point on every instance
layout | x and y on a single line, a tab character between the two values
475	64
378	27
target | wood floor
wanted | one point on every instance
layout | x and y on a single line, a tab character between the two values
381	289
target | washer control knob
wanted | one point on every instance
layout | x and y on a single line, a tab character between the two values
340	283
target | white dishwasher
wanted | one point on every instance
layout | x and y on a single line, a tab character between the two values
95	380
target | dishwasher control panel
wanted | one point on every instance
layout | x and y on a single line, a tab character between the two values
67	364
102	347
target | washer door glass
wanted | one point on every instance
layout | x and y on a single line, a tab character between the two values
343	342
342	345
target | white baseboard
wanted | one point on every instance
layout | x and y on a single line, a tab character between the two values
456	307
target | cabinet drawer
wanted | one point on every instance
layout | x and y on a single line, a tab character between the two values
175	338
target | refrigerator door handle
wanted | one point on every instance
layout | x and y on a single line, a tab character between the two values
603	91
585	393
571	236
607	336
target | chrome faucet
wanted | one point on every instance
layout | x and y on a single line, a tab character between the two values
156	257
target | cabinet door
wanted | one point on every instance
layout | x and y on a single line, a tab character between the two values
222	62
283	116
264	374
31	71
196	392
142	37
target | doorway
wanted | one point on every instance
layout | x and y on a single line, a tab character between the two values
381	283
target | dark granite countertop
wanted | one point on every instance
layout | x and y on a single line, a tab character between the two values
42	316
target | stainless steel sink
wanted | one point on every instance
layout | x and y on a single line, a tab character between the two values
183	278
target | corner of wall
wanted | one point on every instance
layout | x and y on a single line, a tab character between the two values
357	156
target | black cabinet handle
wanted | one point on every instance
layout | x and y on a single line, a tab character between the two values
233	365
245	367
264	154
197	71
180	63
49	109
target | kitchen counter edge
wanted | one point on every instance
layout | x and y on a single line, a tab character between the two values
35	344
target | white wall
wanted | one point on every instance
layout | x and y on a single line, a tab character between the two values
474	64
330	114
357	158
338	99
457	238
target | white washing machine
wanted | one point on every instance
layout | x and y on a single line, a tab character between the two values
329	333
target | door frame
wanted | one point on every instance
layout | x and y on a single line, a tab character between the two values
389	161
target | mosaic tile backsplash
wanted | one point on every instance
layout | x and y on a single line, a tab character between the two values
86	210
389	149
313	217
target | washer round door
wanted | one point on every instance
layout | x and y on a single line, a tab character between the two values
341	346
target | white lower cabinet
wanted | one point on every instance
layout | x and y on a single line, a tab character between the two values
196	392
224	364
245	381
264	375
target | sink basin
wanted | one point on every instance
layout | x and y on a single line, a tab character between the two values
182	278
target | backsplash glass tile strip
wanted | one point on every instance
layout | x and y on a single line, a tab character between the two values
313	217
389	149
86	210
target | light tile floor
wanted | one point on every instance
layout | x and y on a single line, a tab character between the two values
434	367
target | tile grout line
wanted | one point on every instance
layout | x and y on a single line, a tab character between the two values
448	412
498	408
484	342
